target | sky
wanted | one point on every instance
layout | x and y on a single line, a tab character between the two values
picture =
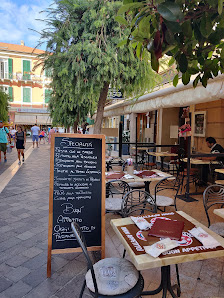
17	17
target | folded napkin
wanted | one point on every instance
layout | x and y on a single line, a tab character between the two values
137	172
206	239
160	174
127	176
161	246
141	223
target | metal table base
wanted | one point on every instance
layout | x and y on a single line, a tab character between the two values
165	285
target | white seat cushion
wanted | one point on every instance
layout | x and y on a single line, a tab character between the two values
218	228
136	184
113	204
114	276
163	201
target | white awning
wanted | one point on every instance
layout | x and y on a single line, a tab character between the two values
32	119
179	96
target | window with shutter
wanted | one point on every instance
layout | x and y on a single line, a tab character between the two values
26	94
10	94
10	68
47	95
48	72
3	69
26	69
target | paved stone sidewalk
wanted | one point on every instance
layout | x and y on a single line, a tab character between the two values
23	234
11	158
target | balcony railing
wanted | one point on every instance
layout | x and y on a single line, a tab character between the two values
19	76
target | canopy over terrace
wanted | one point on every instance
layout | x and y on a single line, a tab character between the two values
25	119
179	96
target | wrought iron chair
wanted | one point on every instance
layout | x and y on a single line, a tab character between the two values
115	191
110	277
161	192
214	195
137	202
212	167
115	161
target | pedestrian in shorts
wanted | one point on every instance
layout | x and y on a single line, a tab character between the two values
3	140
20	138
35	134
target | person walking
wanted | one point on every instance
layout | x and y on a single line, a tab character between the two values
3	140
20	138
51	131
35	134
42	136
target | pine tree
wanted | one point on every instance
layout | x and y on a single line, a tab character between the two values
3	106
82	38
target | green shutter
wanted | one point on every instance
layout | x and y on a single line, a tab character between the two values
10	68
47	95
10	94
48	72
26	95
26	69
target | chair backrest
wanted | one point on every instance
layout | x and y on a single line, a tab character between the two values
82	242
168	186
137	202
214	165
213	195
116	187
117	161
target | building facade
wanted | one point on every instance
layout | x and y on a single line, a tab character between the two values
155	116
28	89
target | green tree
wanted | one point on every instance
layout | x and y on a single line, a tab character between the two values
82	38
4	105
190	32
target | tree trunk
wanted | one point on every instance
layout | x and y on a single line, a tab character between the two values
100	108
75	126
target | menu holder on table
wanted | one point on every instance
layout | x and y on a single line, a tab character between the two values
146	174
167	228
115	176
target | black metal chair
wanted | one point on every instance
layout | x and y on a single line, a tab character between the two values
166	191
114	162
110	277
214	195
137	202
115	191
212	167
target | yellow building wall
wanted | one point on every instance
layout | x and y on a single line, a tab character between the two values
17	94
37	92
214	123
37	95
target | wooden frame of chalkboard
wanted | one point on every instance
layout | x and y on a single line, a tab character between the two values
77	193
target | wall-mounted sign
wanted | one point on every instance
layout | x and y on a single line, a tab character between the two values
37	111
113	93
199	124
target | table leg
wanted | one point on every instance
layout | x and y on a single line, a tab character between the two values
165	285
147	183
162	160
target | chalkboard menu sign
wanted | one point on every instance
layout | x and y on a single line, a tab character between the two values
77	192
